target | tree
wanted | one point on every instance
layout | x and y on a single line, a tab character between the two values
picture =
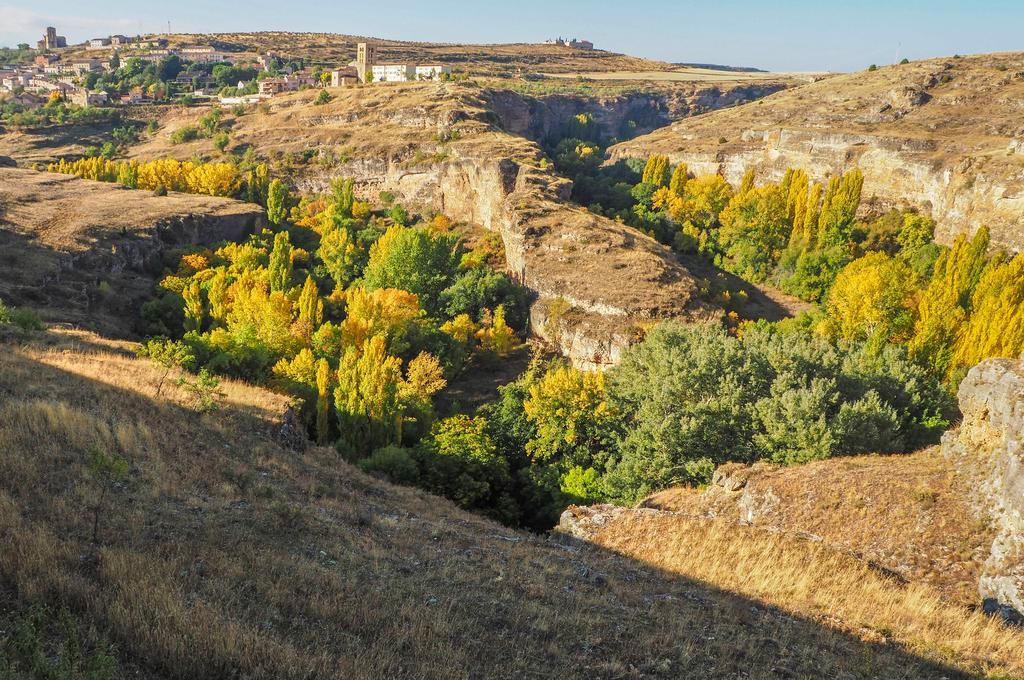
943	307
311	308
340	256
754	231
323	387
169	67
460	461
839	208
680	176
343	196
277	202
193	296
656	172
115	61
415	260
366	399
280	270
575	425
107	469
873	299
995	327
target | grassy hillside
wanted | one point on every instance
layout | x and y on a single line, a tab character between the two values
221	552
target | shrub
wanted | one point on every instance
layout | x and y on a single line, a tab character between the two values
692	398
26	319
186	133
160	190
395	462
322	98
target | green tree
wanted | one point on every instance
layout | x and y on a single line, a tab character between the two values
277	202
460	462
417	261
280	270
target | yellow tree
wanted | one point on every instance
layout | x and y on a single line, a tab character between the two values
942	310
996	324
385	312
311	309
193	296
656	171
677	185
872	298
323	387
366	399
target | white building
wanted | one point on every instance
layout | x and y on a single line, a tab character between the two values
432	71
393	73
98	44
202	53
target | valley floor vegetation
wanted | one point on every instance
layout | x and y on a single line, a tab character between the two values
363	313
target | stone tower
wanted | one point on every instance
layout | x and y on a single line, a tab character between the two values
366	57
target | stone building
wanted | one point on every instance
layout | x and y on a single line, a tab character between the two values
368	70
51	40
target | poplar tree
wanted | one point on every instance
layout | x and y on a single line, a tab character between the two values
311	307
280	271
277	202
943	308
323	384
680	176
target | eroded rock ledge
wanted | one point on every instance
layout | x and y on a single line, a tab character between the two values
989	447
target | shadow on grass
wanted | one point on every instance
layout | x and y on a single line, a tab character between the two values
225	555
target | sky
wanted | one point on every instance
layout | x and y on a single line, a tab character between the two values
797	35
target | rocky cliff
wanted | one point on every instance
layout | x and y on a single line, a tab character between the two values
544	119
989	448
86	252
942	135
596	282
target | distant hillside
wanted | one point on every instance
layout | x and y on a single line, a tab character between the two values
944	135
722	67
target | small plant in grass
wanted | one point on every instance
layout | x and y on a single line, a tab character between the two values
169	354
30	651
322	98
26	319
203	390
106	469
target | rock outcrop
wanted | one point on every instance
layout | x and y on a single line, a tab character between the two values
87	252
942	135
989	447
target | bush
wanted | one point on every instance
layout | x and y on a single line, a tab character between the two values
184	134
395	462
26	319
160	190
322	98
692	398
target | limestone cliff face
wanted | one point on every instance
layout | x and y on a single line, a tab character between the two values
596	283
544	118
944	136
989	446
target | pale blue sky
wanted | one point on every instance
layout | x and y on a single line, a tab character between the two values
795	35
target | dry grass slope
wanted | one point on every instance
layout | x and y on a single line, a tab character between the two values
223	554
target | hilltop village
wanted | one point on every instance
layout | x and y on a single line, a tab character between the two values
119	69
